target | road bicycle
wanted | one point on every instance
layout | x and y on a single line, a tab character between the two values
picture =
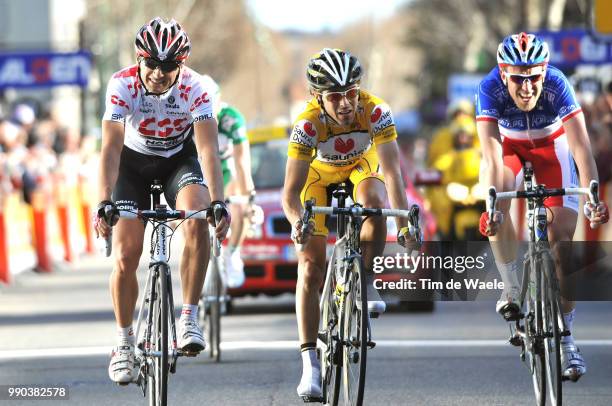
540	325
345	333
215	301
156	352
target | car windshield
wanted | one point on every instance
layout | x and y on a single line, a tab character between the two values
268	160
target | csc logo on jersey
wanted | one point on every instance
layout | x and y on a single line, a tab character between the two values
381	118
304	133
116	100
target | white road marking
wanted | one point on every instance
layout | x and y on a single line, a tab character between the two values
274	345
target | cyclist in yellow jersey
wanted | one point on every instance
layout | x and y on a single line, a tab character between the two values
345	134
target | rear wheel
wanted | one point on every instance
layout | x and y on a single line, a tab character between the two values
355	327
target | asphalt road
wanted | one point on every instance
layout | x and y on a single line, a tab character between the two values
58	329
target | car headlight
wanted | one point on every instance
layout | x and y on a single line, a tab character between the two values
457	192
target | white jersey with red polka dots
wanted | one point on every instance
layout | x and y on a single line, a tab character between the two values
158	124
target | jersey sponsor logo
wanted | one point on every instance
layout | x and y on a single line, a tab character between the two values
134	88
381	118
203	117
157	143
344	146
117	117
376	113
184	91
116	100
172	106
340	160
171	99
304	133
149	127
489	112
199	100
567	109
309	129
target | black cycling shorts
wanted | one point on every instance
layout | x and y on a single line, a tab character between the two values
137	172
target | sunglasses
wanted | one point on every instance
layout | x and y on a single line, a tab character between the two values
336	97
165	66
520	79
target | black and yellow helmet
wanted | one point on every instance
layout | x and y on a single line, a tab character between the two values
331	69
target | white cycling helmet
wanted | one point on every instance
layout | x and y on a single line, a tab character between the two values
164	41
333	68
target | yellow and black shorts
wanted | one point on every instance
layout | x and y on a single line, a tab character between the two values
319	180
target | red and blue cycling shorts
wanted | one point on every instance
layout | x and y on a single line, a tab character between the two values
553	165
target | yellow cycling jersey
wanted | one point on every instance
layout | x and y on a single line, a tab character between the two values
331	146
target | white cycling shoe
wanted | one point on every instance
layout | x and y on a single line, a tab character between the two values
509	305
234	268
190	336
572	363
309	388
121	367
376	306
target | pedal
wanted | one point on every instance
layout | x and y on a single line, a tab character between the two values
374	315
510	315
573	376
516	340
566	333
371	344
191	354
311	399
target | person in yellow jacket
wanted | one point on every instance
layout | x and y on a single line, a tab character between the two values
458	162
459	112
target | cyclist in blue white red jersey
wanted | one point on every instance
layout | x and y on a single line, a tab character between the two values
526	110
158	120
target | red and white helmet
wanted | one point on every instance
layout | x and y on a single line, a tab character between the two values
164	41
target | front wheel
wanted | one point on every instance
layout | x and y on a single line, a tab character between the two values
329	347
552	321
355	327
534	346
159	382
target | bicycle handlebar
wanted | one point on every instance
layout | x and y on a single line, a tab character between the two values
592	192
161	214
357	211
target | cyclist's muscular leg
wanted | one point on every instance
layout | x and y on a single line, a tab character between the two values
560	234
128	237
311	272
196	252
505	249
